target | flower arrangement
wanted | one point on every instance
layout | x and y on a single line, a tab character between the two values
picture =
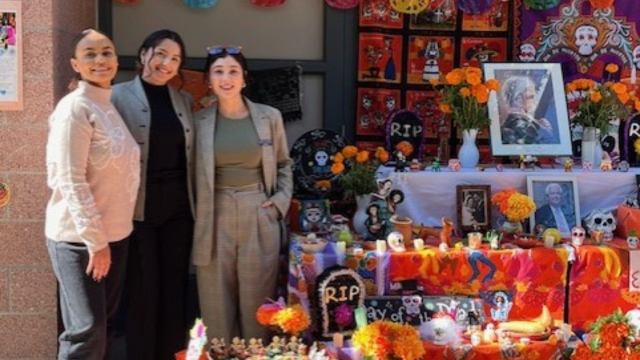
291	319
514	206
465	96
611	338
357	169
600	103
386	340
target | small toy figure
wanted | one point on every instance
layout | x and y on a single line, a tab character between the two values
577	236
489	335
586	165
401	162
476	339
435	165
499	167
632	239
623	166
568	165
395	240
605	165
454	164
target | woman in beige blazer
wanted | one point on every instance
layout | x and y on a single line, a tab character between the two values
159	118
244	185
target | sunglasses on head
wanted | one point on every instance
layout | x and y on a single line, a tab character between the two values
217	50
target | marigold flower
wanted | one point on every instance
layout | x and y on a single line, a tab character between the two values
323	184
611	68
434	81
453	78
445	108
337	168
624	97
349	151
474	79
293	319
465	91
481	93
405	147
619	88
596	96
363	156
493	84
382	154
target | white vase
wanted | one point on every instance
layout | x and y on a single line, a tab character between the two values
591	146
360	215
469	154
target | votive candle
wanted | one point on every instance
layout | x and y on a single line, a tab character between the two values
418	244
341	247
381	246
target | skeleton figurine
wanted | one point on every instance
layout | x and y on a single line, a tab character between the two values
632	239
601	220
396	241
577	236
633	317
412	304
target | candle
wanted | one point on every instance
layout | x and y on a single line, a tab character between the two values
341	247
633	75
358	251
418	244
549	241
381	246
338	340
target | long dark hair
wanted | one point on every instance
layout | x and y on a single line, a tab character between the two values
154	39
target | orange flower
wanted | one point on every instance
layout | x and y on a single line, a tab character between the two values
338	158
445	108
473	71
619	88
323	184
465	91
481	93
601	4
611	68
292	319
337	168
382	154
474	79
434	81
362	157
624	97
453	78
267	312
596	96
405	147
493	84
349	151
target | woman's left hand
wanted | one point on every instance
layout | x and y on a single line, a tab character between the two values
267	204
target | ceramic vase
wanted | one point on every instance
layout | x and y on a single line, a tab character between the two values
591	147
360	216
469	154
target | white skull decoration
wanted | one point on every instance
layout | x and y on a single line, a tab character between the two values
527	53
412	304
396	241
586	39
634	319
636	56
601	220
577	235
321	158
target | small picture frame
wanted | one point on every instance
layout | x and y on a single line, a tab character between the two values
474	207
529	113
557	202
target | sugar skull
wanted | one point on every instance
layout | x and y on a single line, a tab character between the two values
395	240
586	39
412	304
577	235
636	56
321	158
632	241
527	53
603	221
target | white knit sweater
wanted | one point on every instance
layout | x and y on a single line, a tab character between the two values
93	166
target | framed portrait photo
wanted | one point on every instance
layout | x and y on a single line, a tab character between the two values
557	202
529	113
474	207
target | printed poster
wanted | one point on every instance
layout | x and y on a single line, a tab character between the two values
380	58
10	56
429	58
440	15
374	107
476	51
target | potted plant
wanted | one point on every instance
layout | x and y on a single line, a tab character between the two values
515	206
465	97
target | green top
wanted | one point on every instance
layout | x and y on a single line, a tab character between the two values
238	157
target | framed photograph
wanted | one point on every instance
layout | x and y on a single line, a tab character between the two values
474	207
557	202
529	112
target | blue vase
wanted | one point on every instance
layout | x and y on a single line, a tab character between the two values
469	154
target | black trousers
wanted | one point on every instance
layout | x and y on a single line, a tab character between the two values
158	274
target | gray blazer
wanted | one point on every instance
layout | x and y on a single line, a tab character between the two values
132	104
276	170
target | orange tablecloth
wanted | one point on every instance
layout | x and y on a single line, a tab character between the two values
599	283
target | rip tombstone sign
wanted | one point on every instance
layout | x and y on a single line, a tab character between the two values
337	286
631	133
405	125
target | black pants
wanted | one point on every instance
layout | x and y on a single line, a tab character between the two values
158	273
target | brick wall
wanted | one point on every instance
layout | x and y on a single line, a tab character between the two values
28	320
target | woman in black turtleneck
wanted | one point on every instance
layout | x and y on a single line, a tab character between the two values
159	118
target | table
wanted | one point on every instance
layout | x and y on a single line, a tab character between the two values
431	195
532	277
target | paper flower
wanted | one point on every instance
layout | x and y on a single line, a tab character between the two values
343	315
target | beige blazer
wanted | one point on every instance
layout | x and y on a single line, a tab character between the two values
276	170
132	104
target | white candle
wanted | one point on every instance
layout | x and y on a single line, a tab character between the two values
338	340
358	251
381	246
633	74
418	244
341	247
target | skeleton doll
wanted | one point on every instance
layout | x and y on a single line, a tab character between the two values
577	236
412	304
396	241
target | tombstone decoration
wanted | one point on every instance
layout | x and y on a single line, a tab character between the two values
405	125
416	309
314	216
630	133
312	156
337	287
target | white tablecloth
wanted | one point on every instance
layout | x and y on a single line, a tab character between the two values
431	195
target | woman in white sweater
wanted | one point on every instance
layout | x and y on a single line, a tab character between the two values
93	172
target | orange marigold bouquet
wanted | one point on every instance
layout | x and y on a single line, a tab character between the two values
387	340
291	320
600	103
514	206
610	338
465	96
357	169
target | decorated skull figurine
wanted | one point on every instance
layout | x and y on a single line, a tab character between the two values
396	241
634	319
577	235
412	304
632	239
603	221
